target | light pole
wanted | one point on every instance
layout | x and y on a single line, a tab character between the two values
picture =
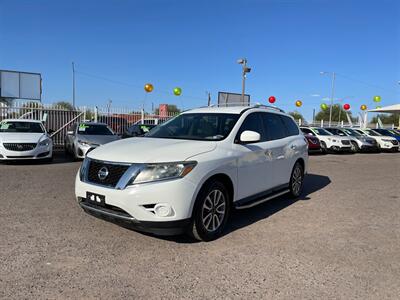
332	93
245	70
73	84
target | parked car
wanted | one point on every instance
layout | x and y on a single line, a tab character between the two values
359	142
385	143
188	173
86	136
137	130
388	132
329	142
313	143
24	139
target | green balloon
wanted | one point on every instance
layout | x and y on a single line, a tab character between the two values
177	91
377	98
324	106
378	107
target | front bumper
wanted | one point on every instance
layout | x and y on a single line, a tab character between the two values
138	202
82	150
123	218
40	152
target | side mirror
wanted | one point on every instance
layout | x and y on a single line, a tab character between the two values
50	131
70	132
249	136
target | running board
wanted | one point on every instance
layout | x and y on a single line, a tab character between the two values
256	202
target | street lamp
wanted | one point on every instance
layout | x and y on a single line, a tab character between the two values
245	70
332	94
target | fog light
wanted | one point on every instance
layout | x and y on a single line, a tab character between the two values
163	210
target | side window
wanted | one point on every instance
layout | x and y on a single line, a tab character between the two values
274	126
291	126
307	131
252	122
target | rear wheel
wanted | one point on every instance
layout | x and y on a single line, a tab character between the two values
296	180
211	212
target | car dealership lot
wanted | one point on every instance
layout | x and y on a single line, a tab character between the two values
341	239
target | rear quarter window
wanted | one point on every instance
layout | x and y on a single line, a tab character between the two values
291	126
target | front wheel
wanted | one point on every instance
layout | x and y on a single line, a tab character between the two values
324	149
211	212
354	147
296	180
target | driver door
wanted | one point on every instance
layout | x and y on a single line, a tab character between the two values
252	160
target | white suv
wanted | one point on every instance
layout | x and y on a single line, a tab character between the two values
329	141
188	173
24	139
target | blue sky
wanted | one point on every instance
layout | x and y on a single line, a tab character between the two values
195	44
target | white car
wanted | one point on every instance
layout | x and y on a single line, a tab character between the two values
385	142
188	173
329	142
24	139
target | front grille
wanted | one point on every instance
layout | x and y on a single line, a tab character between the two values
345	142
19	146
115	173
395	142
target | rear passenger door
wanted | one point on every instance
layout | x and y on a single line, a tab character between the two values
282	145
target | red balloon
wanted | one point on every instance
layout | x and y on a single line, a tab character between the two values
346	106
272	99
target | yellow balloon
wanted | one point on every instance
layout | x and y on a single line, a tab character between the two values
148	87
363	107
299	103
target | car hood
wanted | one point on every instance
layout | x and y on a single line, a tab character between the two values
151	150
97	139
11	137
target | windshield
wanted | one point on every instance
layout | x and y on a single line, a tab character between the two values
21	127
94	129
352	132
196	126
321	131
373	133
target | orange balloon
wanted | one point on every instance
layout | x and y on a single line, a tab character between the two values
299	103
148	87
363	107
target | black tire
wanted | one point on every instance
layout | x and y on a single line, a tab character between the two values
296	180
354	147
202	226
324	149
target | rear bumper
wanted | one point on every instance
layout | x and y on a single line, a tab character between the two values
123	218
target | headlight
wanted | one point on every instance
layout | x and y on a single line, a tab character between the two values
386	140
83	143
163	171
333	140
45	142
83	168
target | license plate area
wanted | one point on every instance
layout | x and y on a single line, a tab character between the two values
96	199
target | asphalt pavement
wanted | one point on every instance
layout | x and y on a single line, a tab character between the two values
340	240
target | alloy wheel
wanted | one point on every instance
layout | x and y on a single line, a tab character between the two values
213	210
297	180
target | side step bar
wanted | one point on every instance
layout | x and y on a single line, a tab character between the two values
262	200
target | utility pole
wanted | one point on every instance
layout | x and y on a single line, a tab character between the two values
109	106
332	93
245	70
332	96
209	98
73	84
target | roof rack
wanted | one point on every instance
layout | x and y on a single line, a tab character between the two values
247	105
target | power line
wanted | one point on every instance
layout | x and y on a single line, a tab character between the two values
367	83
132	85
